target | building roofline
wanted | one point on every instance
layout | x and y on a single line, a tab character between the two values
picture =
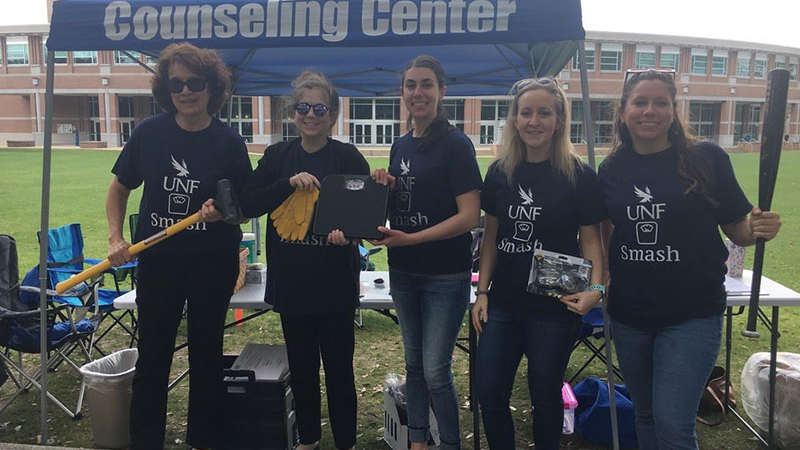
687	41
10	30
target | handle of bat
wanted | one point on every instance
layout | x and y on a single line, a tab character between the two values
83	276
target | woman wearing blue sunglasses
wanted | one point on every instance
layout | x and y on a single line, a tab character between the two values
312	282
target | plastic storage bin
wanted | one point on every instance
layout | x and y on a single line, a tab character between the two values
110	381
570	405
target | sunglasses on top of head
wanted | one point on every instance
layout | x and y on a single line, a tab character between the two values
632	73
304	108
195	84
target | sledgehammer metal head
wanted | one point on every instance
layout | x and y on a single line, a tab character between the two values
226	202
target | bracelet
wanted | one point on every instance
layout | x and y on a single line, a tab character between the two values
600	288
479	292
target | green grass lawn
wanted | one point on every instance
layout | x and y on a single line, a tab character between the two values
79	183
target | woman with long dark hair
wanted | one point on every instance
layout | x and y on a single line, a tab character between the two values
434	203
667	197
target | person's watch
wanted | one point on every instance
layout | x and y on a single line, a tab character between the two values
598	287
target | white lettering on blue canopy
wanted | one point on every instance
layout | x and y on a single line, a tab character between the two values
286	18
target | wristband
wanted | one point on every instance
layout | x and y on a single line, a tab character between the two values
598	287
479	292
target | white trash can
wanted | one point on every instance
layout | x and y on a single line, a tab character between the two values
110	384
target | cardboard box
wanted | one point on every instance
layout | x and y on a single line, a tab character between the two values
395	425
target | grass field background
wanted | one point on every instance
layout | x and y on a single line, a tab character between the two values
79	183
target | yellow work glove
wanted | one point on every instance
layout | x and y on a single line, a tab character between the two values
293	217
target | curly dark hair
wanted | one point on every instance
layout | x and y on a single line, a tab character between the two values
205	63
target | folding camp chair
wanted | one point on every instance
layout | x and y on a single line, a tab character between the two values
20	332
591	337
64	259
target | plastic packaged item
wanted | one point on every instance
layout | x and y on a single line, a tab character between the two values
570	405
755	396
110	385
395	416
557	275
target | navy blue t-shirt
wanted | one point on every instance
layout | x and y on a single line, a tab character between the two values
180	170
541	209
428	182
309	276
666	257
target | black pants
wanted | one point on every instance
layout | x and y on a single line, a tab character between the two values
332	335
164	285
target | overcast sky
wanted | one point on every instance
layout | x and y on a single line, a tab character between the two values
767	21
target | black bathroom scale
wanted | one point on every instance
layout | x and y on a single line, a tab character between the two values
354	204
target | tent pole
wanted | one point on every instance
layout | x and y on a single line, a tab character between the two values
45	225
587	111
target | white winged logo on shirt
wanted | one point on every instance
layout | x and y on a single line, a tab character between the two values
405	166
527	197
644	196
181	167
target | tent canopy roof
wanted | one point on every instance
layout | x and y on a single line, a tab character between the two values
362	45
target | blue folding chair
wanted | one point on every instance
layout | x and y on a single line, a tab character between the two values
65	258
20	332
591	337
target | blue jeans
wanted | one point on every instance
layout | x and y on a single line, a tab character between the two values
546	341
430	313
666	371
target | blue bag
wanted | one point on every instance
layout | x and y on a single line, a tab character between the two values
594	413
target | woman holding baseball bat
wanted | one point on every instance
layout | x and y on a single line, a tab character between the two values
312	281
667	196
179	156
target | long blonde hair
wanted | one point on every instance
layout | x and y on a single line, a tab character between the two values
512	148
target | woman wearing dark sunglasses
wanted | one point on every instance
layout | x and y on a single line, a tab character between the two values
668	196
312	283
179	156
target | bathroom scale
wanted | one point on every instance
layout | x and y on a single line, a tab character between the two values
354	204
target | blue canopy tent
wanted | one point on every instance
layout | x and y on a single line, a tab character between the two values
361	45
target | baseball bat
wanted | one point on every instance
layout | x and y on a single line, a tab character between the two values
771	141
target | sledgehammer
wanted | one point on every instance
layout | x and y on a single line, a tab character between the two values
225	202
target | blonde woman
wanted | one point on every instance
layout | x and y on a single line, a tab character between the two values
537	194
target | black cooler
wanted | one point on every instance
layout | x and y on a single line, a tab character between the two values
259	405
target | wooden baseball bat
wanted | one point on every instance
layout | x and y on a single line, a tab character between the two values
771	141
133	250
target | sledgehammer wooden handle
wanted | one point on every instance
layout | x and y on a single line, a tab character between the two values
133	250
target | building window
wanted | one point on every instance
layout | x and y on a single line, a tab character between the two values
123	59
17	51
153	107
288	127
699	64
669	58
374	120
645	60
150	59
743	67
84	57
493	116
241	117
780	62
793	71
747	118
701	118
760	68
610	61
455	111
602	117
59	57
719	66
590	59
94	118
